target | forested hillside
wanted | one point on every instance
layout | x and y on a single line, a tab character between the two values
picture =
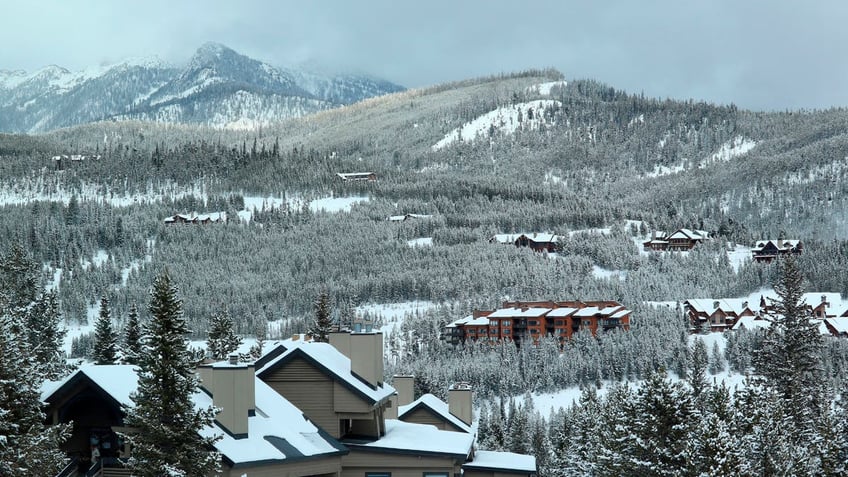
597	158
526	152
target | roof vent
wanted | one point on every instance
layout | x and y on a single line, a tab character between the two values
234	359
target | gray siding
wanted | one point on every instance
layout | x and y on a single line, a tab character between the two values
330	466
310	390
356	464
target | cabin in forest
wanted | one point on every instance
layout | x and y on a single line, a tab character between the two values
539	242
357	176
768	250
679	240
197	219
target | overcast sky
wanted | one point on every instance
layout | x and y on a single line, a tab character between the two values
757	54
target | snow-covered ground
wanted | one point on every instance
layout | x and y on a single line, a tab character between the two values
739	255
544	89
393	314
599	272
420	242
736	147
335	204
504	120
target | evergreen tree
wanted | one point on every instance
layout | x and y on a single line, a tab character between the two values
168	441
323	324
132	338
791	357
222	339
27	447
717	362
697	373
105	340
261	332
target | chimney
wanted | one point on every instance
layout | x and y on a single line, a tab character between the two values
824	299
405	387
232	387
715	304
391	409
744	304
365	351
459	402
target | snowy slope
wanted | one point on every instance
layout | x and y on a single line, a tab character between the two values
503	120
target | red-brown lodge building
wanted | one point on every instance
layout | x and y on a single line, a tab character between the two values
517	320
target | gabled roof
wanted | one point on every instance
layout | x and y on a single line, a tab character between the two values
418	439
501	462
534	236
689	234
437	407
778	244
278	432
519	313
561	312
469	320
331	362
115	381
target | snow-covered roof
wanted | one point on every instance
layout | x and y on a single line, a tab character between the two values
839	324
689	234
538	237
779	244
419	439
333	362
117	381
276	419
501	461
751	323
437	406
277	432
519	313
561	312
588	311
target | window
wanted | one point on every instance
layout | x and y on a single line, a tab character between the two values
558	322
378	474
506	323
506	332
587	322
532	322
436	474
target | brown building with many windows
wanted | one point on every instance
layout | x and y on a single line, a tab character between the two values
517	320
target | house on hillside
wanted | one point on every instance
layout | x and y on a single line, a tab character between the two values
768	250
679	240
197	219
518	320
357	176
405	217
539	242
302	409
722	314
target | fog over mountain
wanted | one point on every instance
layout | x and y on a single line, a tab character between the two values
217	87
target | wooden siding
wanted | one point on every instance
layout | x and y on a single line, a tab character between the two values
357	463
425	416
346	401
310	390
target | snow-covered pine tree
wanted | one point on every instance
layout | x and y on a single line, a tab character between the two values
168	440
323	323
717	361
260	329
698	371
222	338
27	447
105	340
791	357
132	338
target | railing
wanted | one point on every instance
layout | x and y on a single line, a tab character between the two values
108	467
70	469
